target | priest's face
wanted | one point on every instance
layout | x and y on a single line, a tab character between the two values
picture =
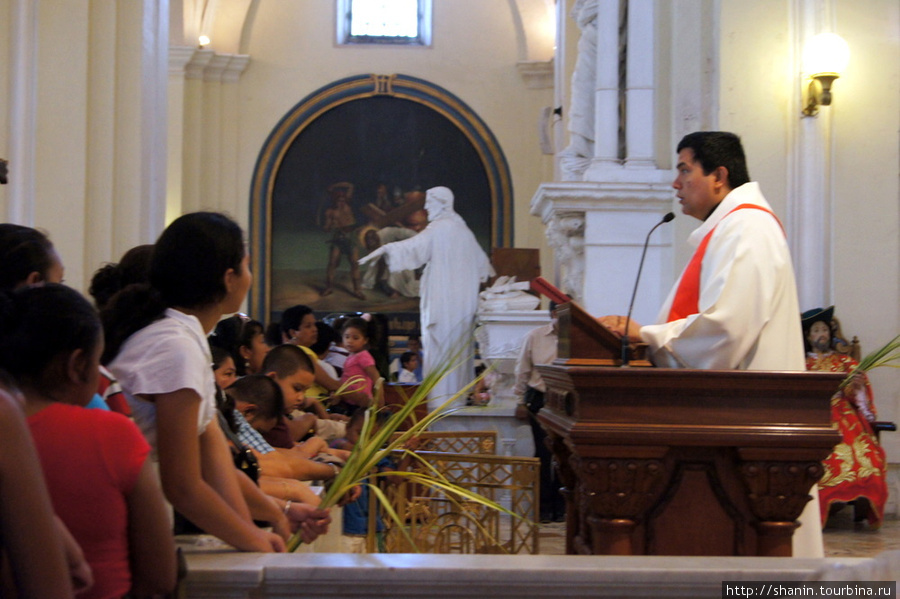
697	193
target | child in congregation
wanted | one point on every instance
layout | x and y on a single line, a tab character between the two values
260	400
409	362
355	515
244	339
223	367
276	480
95	462
259	405
355	530
360	366
156	345
292	368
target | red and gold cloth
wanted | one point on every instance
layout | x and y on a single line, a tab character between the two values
857	467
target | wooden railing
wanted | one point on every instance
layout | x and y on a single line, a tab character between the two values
438	522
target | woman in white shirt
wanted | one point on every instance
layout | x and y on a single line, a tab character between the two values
156	346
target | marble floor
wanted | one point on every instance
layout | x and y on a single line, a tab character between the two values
843	537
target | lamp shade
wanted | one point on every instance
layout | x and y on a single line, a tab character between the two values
825	53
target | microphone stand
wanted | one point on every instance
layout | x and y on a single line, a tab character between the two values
625	342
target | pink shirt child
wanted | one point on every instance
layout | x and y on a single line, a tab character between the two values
356	366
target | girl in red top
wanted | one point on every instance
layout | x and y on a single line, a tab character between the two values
95	463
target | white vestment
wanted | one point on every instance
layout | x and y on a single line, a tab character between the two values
749	316
455	266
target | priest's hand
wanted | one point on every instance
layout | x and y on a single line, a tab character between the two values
371	256
616	324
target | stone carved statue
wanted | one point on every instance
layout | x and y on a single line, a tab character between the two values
565	234
576	158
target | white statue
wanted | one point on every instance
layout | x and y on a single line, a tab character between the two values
576	158
455	266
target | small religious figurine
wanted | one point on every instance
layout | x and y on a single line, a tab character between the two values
455	267
856	468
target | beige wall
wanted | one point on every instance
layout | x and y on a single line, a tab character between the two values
759	99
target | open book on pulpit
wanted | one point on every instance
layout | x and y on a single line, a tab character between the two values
583	341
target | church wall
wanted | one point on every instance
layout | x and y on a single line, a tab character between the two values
867	208
759	100
474	53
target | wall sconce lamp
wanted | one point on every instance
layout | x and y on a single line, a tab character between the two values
203	41
824	58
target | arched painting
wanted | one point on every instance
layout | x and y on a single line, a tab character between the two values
345	171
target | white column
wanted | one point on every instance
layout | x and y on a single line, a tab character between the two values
179	56
193	130
101	204
810	193
211	142
22	110
140	122
606	116
154	83
640	112
233	199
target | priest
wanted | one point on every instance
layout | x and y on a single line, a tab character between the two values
735	304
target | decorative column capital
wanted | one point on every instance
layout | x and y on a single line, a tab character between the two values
179	56
778	491
235	67
197	64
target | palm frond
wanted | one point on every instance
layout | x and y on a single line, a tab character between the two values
377	442
887	355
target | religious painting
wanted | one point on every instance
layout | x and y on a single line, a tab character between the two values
352	176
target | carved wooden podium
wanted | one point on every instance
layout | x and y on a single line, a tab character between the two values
659	461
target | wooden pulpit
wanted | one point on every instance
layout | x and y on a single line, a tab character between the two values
658	461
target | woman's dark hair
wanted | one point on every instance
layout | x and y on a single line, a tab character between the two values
134	267
233	333
39	324
219	355
191	257
292	317
187	269
327	336
272	334
23	250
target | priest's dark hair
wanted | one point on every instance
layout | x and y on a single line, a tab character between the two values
713	149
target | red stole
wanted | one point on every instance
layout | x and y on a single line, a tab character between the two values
687	297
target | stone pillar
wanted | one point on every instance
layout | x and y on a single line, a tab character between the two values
179	57
597	231
640	107
810	192
209	134
606	95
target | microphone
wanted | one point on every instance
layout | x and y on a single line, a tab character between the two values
625	345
